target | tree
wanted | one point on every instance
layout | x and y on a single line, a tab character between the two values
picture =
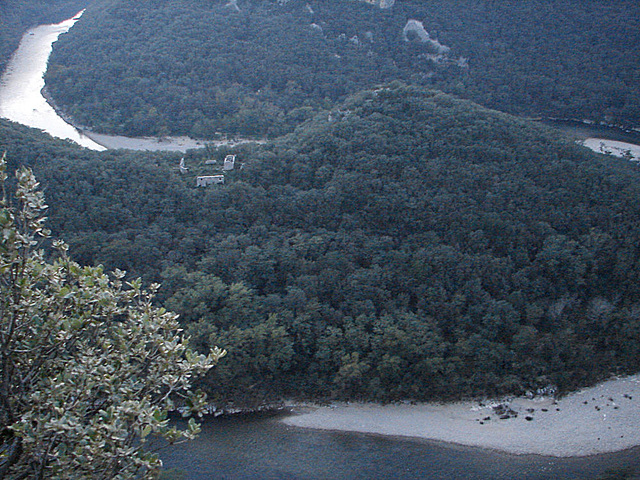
89	368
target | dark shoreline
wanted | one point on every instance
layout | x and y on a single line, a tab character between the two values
581	130
261	446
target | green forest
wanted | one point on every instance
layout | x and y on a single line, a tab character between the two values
404	226
404	244
205	68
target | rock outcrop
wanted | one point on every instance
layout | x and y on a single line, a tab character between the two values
415	27
382	3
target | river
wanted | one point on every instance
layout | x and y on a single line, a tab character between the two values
21	84
261	447
609	140
22	101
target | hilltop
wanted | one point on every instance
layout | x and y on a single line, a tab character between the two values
404	244
260	67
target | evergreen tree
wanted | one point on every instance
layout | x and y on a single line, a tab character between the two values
89	368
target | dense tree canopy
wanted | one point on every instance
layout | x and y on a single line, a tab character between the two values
197	68
88	367
404	244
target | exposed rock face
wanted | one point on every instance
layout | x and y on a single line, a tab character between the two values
417	28
382	3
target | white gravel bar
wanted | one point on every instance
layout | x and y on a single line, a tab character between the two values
600	419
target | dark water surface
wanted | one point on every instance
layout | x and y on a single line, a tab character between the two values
582	131
260	447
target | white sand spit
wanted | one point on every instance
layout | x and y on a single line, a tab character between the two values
165	144
611	147
601	419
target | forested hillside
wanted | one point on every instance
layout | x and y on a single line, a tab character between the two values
197	68
402	245
16	16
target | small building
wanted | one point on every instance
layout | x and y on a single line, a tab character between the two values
209	180
229	163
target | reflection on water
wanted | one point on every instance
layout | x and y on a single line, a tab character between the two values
263	448
20	87
21	99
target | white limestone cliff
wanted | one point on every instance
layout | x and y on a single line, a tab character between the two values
417	28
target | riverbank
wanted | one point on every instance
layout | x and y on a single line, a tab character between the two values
600	419
581	130
166	144
150	144
626	150
21	84
24	99
112	142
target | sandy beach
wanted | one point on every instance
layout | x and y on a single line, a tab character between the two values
611	147
601	419
165	144
151	144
